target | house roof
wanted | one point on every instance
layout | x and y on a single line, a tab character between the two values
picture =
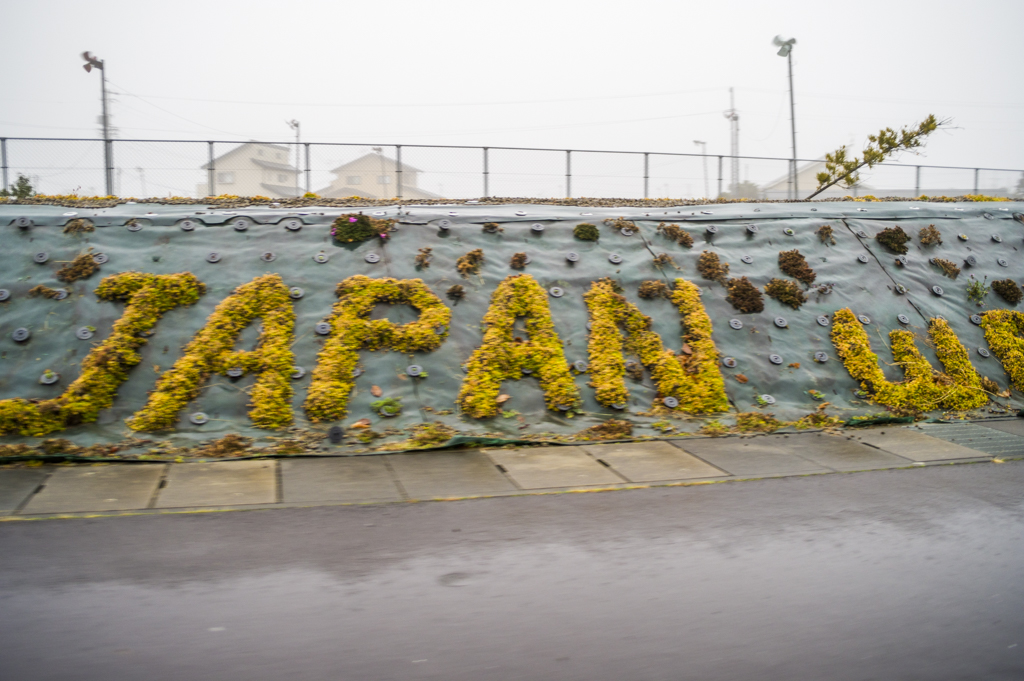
275	166
388	161
282	190
237	149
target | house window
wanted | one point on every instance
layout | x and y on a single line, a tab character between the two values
383	179
353	179
282	178
226	177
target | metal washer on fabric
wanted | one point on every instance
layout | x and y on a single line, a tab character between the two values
711	229
321	258
1002	262
41	257
903	319
736	324
976	319
100	258
775	359
556	292
579	365
4	294
292	224
937	290
134	227
863	258
753	229
670	402
984	352
322	328
572	256
371	258
22	222
213	257
198	418
971	260
822	320
747	259
444	224
240	224
729	362
998	239
298	372
820	357
413	370
767	399
268	257
863	319
187	225
295	293
21	334
615	258
537	227
781	322
83	333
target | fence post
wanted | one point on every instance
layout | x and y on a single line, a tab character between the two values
3	160
975	180
211	174
719	177
917	181
487	172
646	168
398	170
109	155
308	190
568	174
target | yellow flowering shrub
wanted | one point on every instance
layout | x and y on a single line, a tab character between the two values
502	358
211	351
148	297
352	330
1004	332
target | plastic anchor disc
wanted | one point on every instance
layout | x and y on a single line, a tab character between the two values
775	359
767	399
61	294
357	372
670	402
753	229
322	328
730	362
213	257
414	370
100	258
21	334
788	231
572	256
863	258
23	222
984	352
579	365
976	319
187	226
83	333
371	258
903	319
822	320
998	239
41	257
1002	262
747	259
198	418
711	229
292	224
49	378
295	293
736	324
820	357
863	319
615	258
321	258
556	292
937	290
234	372
537	227
298	372
268	257
4	294
781	322
626	231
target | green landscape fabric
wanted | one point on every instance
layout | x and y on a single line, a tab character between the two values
162	247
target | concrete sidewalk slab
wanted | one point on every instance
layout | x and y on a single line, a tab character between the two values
837	453
438	475
219	483
17	484
652	461
544	467
1014	427
992	441
912	444
362	478
762	455
80	489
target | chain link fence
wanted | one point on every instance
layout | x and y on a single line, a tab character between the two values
173	168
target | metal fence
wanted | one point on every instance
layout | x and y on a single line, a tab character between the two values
164	168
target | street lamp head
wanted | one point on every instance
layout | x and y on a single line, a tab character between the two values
785	46
293	124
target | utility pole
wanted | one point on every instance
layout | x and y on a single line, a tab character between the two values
294	125
734	144
142	180
786	50
704	152
91	63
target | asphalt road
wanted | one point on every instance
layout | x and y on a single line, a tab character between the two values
909	574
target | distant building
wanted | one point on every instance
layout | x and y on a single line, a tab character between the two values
254	169
807	181
374	176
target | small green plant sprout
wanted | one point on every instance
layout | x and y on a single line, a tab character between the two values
816	394
510	414
663	426
843	171
49	373
389	406
310	195
977	290
761	401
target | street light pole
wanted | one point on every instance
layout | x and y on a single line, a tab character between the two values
91	63
786	50
704	152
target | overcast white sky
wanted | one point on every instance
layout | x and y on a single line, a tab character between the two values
642	75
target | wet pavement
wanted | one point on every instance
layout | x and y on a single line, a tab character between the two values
889	574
